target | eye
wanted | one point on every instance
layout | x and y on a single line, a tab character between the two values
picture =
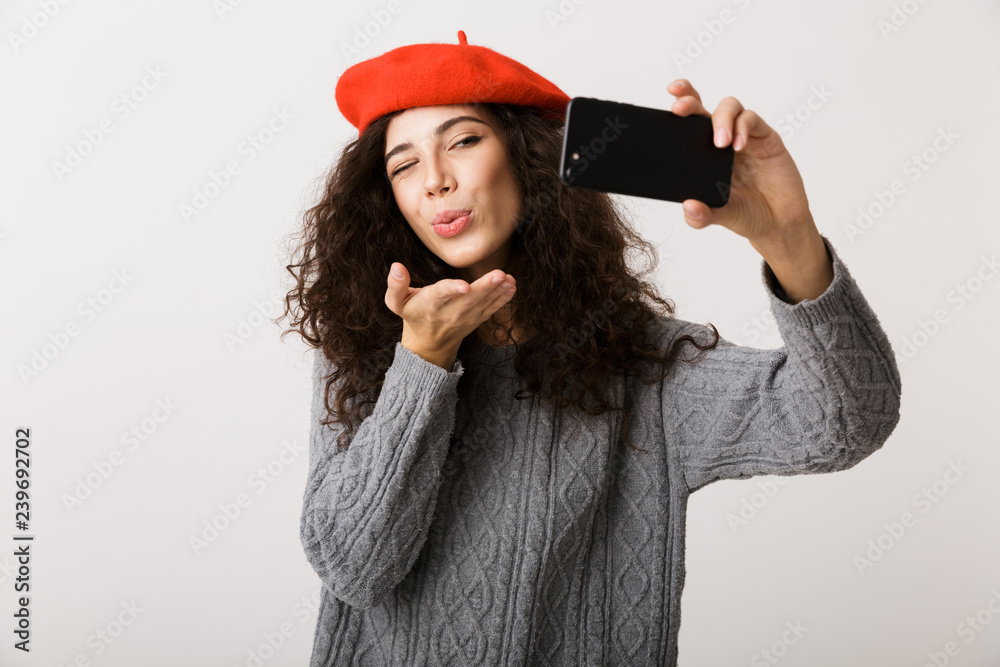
400	169
474	138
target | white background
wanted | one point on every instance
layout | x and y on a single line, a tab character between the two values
190	284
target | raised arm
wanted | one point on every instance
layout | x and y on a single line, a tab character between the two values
366	510
824	401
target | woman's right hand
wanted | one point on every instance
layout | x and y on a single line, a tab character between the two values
438	317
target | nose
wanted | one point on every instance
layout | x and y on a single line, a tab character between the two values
438	179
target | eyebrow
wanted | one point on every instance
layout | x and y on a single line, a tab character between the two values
438	131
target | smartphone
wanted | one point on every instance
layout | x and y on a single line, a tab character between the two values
632	150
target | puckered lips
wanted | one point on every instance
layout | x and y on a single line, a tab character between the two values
451	221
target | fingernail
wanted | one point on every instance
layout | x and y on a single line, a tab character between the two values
691	213
738	142
721	137
396	273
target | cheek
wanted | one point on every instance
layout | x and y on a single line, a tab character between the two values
405	200
504	183
409	212
510	190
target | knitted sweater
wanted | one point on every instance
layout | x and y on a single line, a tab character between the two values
534	537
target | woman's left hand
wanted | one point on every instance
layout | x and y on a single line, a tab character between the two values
767	197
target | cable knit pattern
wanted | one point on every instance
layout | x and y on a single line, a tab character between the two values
517	535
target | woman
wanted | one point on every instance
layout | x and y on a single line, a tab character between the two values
474	494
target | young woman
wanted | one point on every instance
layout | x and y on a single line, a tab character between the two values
507	420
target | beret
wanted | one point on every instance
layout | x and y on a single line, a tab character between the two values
430	74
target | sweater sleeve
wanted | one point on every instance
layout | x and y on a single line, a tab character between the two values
366	510
823	402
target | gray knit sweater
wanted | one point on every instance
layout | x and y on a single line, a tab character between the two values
538	538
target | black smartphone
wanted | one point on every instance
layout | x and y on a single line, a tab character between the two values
632	150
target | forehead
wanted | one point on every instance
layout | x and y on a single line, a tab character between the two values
418	122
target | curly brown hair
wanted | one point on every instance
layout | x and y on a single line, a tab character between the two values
568	242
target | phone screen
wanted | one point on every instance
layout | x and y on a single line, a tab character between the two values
644	152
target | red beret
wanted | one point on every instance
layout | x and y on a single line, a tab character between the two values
429	74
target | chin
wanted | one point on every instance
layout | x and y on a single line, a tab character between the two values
461	259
